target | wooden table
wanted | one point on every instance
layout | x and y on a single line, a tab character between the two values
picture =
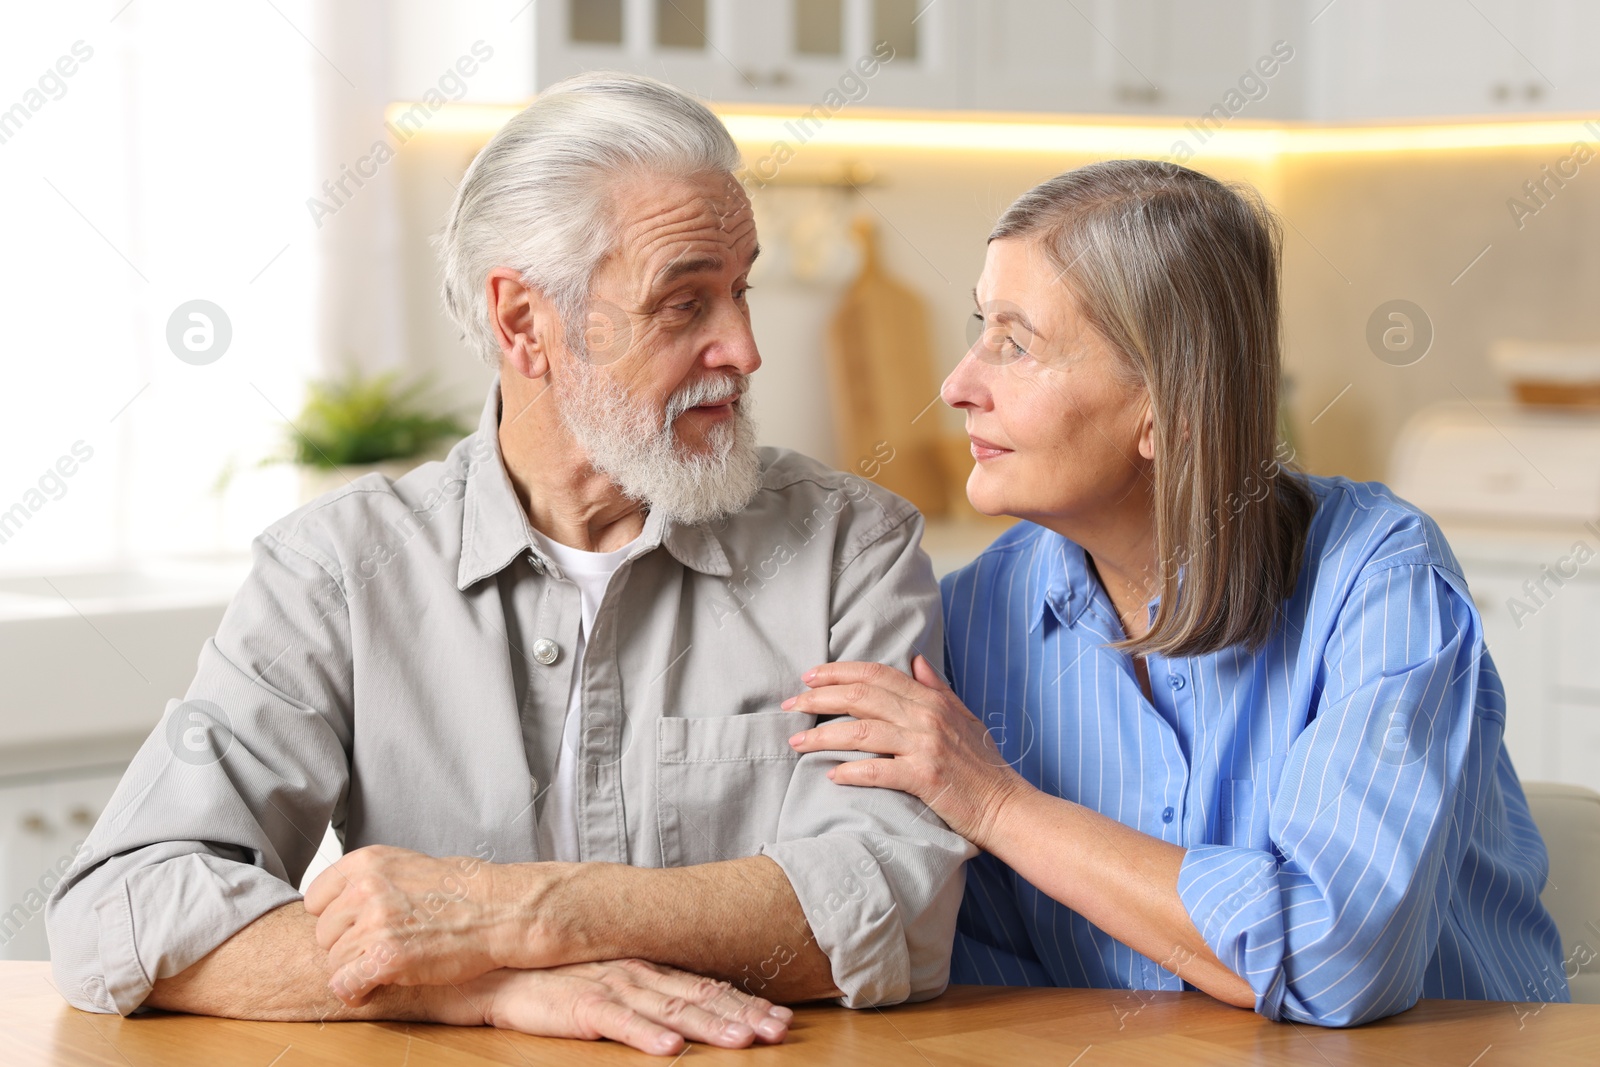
982	1026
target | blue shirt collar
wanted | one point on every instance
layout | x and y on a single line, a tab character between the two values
1063	584
1060	579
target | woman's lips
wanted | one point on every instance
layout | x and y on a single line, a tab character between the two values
982	450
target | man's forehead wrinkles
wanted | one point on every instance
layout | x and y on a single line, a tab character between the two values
668	225
669	237
665	253
742	224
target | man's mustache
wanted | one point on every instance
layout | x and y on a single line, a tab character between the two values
705	391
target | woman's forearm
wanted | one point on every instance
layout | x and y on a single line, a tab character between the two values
925	741
1123	881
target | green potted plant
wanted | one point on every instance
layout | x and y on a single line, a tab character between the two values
354	423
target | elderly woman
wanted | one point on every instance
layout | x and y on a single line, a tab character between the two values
1214	723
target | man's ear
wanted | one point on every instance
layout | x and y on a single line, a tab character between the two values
524	323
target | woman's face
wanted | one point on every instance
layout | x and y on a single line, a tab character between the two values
1059	437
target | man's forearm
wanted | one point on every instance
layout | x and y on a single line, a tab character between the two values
274	969
738	920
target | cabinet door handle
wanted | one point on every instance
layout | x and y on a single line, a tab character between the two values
80	816
772	79
1138	94
34	823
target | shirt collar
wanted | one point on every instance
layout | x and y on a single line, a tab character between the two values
495	530
1063	585
1060	579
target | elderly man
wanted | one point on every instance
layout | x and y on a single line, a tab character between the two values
535	687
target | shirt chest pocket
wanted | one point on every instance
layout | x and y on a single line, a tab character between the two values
1246	806
721	783
1238	812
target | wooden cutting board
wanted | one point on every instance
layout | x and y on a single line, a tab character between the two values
886	392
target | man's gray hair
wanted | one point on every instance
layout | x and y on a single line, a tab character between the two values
537	198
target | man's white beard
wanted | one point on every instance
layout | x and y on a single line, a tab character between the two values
639	450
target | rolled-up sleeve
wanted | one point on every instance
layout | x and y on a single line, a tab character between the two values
879	876
223	806
1337	923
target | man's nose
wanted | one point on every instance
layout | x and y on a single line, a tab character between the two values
734	346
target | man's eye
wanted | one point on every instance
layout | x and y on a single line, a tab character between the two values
1016	350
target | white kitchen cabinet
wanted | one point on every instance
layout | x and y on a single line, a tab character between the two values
1577	637
1520	654
1177	57
1578	755
1032	56
697	45
1547	665
1545	643
932	41
1575	644
1156	57
1378	59
1348	60
792	52
42	821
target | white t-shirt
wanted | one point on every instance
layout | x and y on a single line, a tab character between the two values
592	571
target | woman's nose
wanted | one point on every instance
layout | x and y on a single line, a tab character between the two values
964	387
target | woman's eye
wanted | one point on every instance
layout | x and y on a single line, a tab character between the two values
1003	347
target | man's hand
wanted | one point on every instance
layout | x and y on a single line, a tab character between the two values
272	969
391	916
652	1008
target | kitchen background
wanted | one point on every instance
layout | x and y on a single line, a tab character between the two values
210	209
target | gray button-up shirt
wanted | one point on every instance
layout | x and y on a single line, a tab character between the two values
388	667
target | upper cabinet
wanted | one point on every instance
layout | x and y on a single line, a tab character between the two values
1379	59
1330	60
1142	57
883	53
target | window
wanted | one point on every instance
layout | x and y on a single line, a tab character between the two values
150	156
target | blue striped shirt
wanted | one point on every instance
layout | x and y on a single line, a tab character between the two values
1356	836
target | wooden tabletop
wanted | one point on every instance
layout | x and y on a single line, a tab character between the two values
977	1025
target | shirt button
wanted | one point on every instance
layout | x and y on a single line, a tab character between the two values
1166	814
546	651
1176	681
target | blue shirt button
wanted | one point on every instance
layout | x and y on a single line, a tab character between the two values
1176	681
1166	814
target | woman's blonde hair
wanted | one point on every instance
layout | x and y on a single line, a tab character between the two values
1179	273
